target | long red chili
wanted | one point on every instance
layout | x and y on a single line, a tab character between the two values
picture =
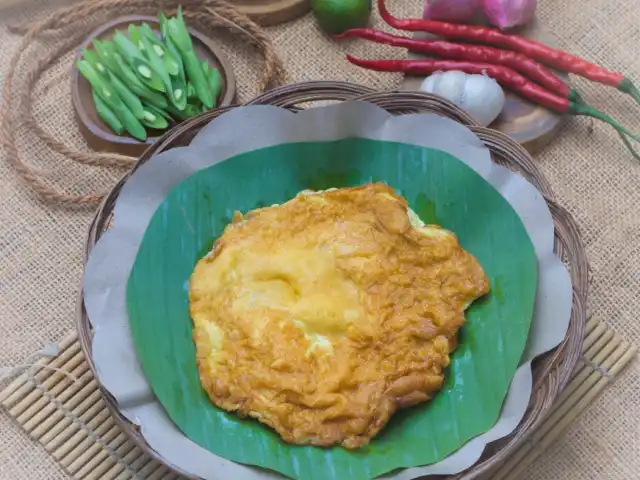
492	36
506	77
475	53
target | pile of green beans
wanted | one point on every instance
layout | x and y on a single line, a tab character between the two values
144	82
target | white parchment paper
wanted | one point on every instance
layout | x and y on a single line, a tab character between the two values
250	128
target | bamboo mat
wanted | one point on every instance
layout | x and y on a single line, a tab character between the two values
59	405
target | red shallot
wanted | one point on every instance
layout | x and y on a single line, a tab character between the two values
451	10
506	14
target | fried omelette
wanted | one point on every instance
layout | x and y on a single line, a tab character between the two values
323	316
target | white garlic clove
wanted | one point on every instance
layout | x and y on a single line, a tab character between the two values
483	99
479	95
429	84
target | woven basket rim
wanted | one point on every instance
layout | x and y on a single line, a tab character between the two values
551	372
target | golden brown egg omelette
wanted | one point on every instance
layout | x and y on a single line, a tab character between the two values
323	316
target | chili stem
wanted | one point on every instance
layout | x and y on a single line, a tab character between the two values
626	135
627	87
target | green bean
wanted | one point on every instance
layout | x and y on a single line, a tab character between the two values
101	87
177	92
162	21
214	79
105	53
215	84
170	63
127	96
192	110
171	46
127	75
180	32
112	100
191	92
135	35
154	119
178	115
117	66
94	60
106	114
180	35
137	61
159	111
151	54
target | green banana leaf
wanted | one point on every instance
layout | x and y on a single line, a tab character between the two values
442	190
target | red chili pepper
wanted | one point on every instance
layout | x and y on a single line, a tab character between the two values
503	75
506	77
492	36
475	53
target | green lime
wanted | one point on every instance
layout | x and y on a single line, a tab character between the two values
336	16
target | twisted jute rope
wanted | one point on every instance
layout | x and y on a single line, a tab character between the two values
65	29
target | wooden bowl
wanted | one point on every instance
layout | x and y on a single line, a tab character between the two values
98	135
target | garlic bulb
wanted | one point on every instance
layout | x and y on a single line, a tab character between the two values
480	96
451	10
506	14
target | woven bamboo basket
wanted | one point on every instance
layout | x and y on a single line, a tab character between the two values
551	372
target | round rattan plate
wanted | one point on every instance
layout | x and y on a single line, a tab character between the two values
551	372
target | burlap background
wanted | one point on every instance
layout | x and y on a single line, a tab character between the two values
592	174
